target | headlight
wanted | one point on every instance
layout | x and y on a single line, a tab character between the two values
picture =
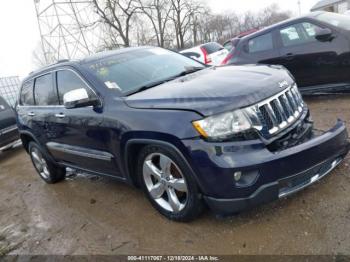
223	125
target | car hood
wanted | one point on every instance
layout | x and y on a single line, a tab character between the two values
215	90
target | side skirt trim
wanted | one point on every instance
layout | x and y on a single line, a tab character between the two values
79	151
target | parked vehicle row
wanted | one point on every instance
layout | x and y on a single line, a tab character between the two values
232	137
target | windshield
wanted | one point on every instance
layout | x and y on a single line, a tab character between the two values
338	20
130	71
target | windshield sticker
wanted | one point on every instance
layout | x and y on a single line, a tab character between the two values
112	85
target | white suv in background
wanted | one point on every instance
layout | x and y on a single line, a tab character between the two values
209	53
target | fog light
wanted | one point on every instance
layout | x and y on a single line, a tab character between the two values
245	178
237	176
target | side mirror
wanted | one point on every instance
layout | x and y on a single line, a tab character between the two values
324	35
78	98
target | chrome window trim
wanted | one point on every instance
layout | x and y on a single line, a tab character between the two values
55	71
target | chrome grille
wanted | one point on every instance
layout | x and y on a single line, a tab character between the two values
279	111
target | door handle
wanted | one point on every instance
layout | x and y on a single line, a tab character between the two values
31	114
60	115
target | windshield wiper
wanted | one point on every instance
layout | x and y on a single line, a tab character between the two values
150	85
188	70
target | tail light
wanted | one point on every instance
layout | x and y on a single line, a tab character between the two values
227	59
207	59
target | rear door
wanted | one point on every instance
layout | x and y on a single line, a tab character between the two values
42	114
257	49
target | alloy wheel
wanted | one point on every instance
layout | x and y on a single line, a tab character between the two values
40	163
165	182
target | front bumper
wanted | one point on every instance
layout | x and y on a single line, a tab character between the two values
280	173
273	191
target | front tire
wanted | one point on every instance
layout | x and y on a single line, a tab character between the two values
169	184
50	172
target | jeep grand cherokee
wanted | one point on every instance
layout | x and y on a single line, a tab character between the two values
233	137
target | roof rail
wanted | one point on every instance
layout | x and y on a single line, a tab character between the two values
48	66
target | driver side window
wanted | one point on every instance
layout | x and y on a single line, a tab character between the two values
68	81
299	34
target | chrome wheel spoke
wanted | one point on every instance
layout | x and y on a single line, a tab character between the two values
36	157
150	169
40	163
178	184
173	200
37	161
165	164
157	191
46	172
165	182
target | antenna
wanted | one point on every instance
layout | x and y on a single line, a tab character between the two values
299	4
69	29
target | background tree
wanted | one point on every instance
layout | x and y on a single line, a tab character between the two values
158	12
184	12
118	14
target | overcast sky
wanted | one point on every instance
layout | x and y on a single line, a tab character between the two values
20	35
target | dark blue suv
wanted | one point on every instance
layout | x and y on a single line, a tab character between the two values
232	137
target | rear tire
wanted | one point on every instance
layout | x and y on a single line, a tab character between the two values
169	184
50	172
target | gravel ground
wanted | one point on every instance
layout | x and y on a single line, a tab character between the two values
91	215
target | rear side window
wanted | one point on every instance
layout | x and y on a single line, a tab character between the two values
44	91
261	43
212	47
27	97
68	81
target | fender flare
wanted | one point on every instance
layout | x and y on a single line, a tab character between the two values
147	141
44	150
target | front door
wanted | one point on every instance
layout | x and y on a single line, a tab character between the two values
78	137
311	62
